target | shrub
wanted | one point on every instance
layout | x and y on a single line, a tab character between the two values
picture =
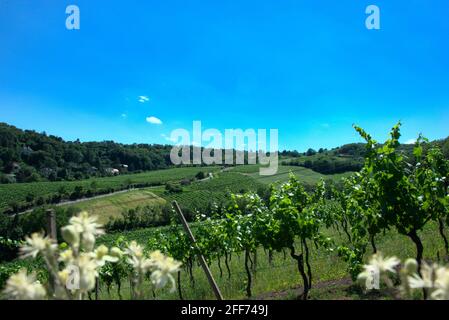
172	188
200	175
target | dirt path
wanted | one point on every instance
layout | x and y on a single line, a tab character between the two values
296	291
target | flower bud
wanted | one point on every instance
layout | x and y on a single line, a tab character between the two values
88	241
63	276
116	252
66	256
361	278
70	234
101	251
87	281
411	266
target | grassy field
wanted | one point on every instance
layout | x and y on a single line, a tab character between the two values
281	280
113	205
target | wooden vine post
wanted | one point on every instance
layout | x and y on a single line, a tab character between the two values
51	224
203	263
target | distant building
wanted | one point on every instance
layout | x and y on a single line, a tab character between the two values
112	171
46	172
27	151
15	166
93	170
11	178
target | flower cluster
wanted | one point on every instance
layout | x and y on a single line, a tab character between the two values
24	286
74	270
378	268
432	278
160	266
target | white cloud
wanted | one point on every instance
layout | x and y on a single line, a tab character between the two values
143	99
168	138
154	120
410	141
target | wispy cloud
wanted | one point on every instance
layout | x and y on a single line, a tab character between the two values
163	135
410	141
154	120
124	115
143	99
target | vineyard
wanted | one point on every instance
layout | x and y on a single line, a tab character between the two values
23	194
199	196
294	242
307	176
276	277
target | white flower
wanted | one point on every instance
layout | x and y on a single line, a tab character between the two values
411	266
425	280
367	278
136	258
165	266
134	249
66	256
162	266
384	265
80	263
377	268
36	244
159	279
71	234
101	255
88	272
88	227
64	275
22	286
434	278
441	284
116	252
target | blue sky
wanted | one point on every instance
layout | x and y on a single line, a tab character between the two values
307	68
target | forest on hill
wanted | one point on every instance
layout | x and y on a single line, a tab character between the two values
28	156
